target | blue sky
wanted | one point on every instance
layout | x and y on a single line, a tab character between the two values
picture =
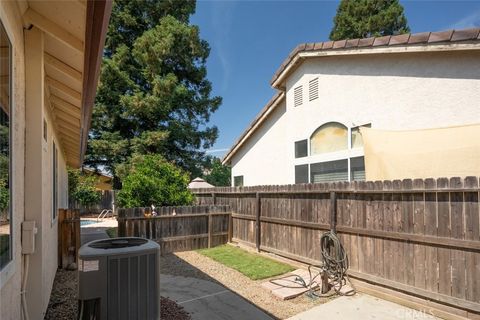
250	39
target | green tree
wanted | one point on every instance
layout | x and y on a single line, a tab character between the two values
218	175
150	179
153	96
368	18
81	187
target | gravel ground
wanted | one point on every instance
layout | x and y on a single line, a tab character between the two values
171	310
193	264
63	301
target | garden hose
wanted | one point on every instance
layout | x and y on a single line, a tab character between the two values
334	266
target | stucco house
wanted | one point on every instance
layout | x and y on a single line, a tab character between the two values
50	55
329	92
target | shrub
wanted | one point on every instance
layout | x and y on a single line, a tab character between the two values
150	179
82	187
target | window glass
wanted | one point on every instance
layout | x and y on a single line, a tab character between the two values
357	169
329	171
301	173
301	149
238	181
357	141
329	137
5	149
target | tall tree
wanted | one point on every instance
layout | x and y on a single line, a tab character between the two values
368	18
153	96
218	175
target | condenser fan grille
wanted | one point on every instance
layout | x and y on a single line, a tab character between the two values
117	243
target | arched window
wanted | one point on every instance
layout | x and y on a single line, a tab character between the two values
330	137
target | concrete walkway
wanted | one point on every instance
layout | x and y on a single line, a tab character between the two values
208	300
362	306
96	231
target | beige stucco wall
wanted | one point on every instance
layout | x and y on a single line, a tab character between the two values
390	91
36	194
265	155
10	276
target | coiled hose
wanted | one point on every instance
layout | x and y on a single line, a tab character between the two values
334	266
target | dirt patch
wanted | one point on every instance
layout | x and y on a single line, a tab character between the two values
193	264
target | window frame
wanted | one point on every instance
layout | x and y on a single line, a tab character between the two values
306	148
54	182
8	270
239	177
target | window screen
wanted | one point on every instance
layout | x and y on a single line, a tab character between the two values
357	169
301	173
238	181
329	171
297	96
5	149
301	148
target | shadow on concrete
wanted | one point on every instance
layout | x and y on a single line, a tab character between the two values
202	296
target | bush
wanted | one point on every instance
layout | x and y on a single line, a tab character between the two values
150	179
82	187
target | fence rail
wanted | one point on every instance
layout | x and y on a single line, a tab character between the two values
178	228
415	236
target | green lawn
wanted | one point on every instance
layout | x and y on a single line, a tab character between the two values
252	265
112	232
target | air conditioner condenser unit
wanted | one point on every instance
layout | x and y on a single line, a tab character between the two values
119	279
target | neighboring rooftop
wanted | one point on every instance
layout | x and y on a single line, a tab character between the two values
199	183
354	46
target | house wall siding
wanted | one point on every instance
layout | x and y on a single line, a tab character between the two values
389	91
10	285
32	199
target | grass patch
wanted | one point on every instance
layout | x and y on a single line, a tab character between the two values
252	265
112	232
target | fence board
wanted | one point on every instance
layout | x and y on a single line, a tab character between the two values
178	228
416	236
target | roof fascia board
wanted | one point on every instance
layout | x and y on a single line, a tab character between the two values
253	128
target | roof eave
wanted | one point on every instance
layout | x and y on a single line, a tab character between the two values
269	107
98	16
278	82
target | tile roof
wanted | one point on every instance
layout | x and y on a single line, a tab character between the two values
425	38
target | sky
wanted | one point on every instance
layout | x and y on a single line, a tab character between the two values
250	39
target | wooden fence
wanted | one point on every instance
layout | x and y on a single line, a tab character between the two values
68	237
107	198
419	237
178	228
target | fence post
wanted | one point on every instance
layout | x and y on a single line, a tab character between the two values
257	225
214	198
333	211
210	227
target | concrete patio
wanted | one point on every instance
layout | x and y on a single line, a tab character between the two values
207	300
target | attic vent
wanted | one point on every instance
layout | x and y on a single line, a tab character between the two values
313	89
297	96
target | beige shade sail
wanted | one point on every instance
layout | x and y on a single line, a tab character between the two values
430	153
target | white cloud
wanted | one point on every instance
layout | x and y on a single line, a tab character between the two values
222	15
216	150
470	21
